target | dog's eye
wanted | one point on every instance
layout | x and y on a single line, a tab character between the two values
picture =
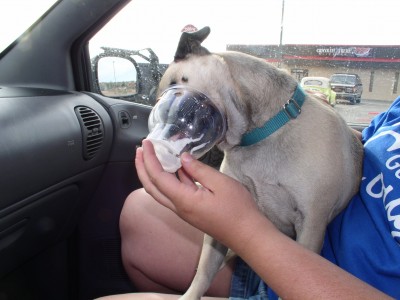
173	82
185	79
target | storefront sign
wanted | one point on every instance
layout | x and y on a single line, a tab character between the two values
345	51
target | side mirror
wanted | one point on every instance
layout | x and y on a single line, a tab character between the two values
131	75
116	77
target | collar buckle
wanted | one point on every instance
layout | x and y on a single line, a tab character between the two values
292	108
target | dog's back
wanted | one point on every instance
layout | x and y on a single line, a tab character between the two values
303	174
311	168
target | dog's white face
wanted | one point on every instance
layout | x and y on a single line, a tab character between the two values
237	89
247	89
210	75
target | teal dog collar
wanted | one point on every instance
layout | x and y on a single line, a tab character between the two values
290	110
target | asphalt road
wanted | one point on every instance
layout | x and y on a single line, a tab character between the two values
363	112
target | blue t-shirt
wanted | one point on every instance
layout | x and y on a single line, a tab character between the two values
365	238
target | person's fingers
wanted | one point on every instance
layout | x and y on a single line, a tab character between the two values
150	159
142	173
147	183
220	185
165	186
207	176
185	178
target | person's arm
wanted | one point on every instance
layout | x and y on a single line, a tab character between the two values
295	272
224	209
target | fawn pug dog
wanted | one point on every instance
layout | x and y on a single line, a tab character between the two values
296	155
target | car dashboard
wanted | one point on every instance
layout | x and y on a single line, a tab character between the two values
57	149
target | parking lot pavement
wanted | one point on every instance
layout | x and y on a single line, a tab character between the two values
363	112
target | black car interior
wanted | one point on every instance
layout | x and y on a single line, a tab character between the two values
66	157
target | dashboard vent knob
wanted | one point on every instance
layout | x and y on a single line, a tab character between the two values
92	131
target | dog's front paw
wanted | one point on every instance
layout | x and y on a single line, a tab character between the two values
188	296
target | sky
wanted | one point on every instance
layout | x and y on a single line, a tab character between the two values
158	23
136	22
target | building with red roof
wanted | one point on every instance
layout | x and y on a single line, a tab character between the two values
378	66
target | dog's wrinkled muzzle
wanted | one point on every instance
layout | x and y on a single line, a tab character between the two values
184	120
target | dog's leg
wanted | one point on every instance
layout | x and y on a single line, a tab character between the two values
211	259
311	233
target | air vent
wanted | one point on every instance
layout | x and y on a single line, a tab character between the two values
92	131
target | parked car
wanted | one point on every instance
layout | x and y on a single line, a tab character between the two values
319	87
347	87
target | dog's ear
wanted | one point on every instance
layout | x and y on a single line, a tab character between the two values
190	42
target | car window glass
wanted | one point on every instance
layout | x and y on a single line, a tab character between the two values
313	82
326	40
343	79
27	13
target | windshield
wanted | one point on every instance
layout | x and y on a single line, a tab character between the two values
349	40
345	79
20	14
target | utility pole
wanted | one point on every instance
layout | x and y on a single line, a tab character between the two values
115	79
281	36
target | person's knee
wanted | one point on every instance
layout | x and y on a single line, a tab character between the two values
134	212
134	219
145	225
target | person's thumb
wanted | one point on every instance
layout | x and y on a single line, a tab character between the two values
200	172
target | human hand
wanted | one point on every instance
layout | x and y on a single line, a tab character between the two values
221	206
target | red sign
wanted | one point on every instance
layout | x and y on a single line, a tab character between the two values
189	28
351	51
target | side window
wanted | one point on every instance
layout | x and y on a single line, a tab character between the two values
149	43
131	53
